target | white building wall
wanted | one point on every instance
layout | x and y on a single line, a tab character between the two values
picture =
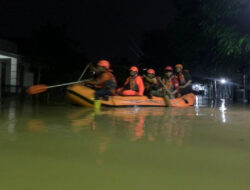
11	72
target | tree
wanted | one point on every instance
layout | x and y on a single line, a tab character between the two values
221	25
205	36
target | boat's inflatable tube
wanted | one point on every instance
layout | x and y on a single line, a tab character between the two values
84	96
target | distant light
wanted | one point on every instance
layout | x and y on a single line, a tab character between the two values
198	87
223	81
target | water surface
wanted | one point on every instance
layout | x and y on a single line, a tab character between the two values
67	147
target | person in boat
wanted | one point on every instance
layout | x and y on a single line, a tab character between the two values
169	86
150	82
104	82
184	79
170	82
133	85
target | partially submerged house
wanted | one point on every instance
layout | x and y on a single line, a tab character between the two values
14	76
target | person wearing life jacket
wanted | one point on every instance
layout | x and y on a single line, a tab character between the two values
150	82
184	79
169	86
170	81
105	82
133	85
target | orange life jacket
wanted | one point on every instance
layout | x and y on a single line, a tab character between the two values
168	83
171	83
135	84
131	84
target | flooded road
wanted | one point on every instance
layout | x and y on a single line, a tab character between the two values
67	147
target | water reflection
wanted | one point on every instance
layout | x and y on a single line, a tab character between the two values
217	109
150	124
196	106
223	109
135	124
36	126
138	123
81	119
12	117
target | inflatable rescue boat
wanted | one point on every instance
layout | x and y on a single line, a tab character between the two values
84	96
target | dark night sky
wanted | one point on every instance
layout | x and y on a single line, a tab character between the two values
103	27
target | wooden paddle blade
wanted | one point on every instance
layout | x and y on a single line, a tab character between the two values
36	89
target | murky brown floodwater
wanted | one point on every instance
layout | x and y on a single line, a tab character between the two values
67	147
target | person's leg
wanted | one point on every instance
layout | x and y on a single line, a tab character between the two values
97	102
162	94
104	92
154	87
119	91
153	91
157	93
147	92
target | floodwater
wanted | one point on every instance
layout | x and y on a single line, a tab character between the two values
64	147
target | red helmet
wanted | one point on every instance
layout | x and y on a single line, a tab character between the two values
104	63
151	71
168	68
134	68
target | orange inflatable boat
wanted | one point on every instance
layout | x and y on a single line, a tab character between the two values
84	96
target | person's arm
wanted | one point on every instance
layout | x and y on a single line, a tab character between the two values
187	84
151	80
122	88
160	83
91	81
93	68
140	86
176	86
188	79
104	78
101	80
154	80
126	82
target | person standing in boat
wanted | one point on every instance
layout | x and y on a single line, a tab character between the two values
184	80
169	86
133	85
150	82
104	82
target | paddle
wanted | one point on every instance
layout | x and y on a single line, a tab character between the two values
84	71
169	93
36	89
